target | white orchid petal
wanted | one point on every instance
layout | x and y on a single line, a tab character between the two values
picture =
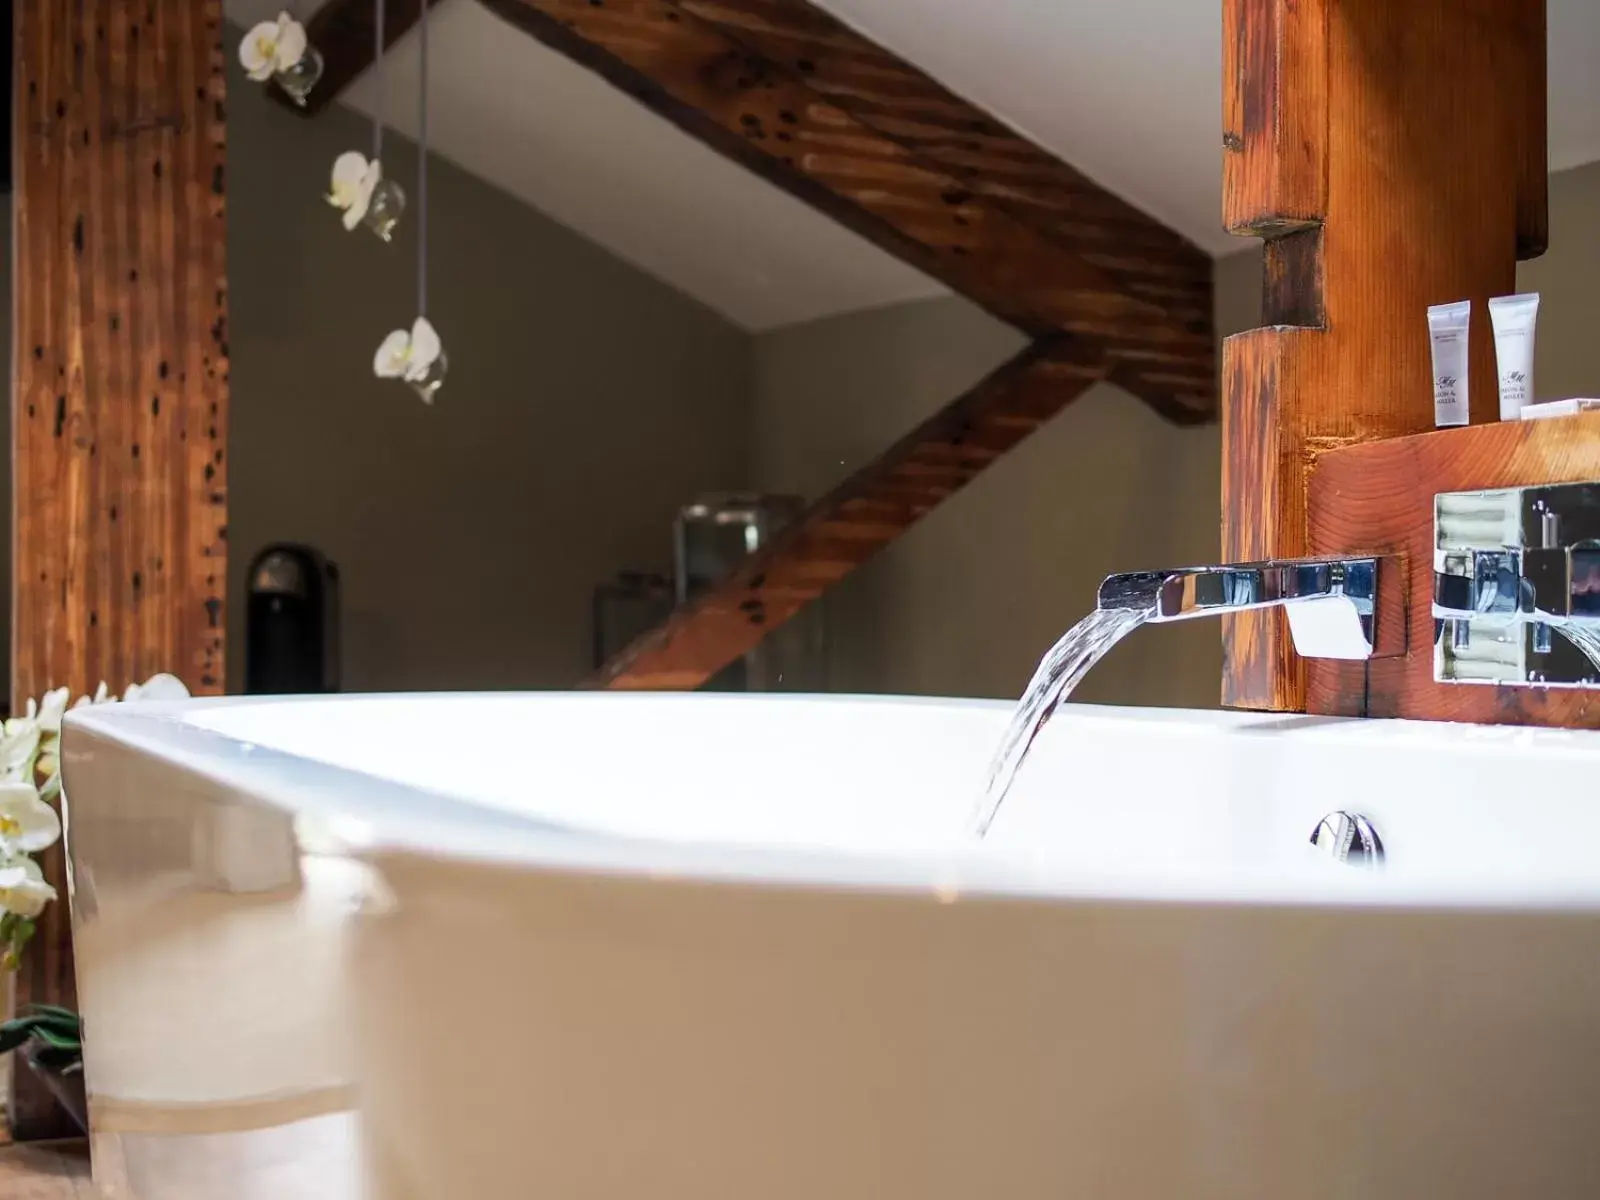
163	688
425	344
348	169
29	900
27	823
18	868
353	213
18	748
291	42
22	887
390	360
258	51
51	709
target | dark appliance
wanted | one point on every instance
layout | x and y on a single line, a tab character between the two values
292	622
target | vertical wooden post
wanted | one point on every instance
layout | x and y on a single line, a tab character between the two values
1393	157
119	411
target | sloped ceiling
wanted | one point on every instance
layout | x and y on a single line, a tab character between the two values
1128	91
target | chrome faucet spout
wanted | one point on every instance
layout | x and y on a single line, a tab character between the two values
1331	603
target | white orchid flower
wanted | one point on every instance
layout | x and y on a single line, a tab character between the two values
19	746
22	887
354	181
27	823
408	356
51	709
101	696
157	689
272	46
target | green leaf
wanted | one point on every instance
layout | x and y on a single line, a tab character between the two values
53	1010
55	1039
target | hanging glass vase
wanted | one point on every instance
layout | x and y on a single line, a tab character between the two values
384	208
431	378
301	76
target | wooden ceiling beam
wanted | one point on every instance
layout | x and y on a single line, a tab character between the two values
902	102
345	33
860	135
858	518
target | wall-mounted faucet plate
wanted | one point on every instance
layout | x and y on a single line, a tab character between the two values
1516	596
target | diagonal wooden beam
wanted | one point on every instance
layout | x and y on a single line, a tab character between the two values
345	33
777	87
858	518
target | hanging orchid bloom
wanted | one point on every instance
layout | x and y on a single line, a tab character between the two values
354	181
273	47
417	357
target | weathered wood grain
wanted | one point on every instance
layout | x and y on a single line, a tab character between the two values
1389	151
345	34
858	518
889	96
1274	116
1379	497
724	73
119	421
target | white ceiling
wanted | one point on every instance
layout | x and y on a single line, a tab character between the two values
1127	91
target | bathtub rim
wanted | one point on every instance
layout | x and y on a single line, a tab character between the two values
377	819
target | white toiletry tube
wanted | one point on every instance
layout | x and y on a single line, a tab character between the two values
1448	325
1514	318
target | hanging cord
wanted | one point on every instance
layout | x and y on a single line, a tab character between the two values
377	80
422	167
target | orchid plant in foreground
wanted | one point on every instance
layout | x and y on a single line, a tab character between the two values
30	791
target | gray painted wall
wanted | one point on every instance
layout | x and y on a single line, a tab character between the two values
968	599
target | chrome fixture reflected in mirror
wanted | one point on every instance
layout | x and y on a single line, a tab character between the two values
711	537
1349	838
1516	586
1331	603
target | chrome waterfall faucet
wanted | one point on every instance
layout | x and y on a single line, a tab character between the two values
1331	603
1516	586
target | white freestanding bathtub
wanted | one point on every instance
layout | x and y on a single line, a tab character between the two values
711	947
